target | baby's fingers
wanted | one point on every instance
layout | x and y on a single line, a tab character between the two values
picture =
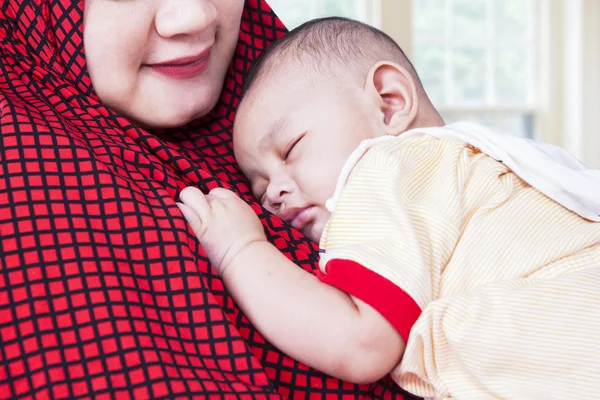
221	193
192	218
197	201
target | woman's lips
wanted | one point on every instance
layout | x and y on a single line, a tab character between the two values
185	67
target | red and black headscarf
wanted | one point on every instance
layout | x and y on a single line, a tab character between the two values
104	290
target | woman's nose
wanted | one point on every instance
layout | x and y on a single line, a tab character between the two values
184	17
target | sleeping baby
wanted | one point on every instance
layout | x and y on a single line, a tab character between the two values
449	256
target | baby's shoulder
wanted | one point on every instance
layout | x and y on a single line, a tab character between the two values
411	150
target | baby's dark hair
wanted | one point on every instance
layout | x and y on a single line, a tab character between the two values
329	45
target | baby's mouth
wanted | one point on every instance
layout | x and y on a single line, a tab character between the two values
303	218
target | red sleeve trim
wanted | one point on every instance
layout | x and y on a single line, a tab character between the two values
380	293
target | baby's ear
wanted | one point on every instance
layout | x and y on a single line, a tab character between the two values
394	91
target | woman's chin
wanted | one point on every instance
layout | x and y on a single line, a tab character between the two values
170	110
165	119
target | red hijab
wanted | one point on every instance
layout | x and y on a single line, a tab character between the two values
104	290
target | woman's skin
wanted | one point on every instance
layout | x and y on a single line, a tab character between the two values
160	63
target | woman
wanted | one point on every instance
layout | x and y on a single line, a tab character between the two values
104	289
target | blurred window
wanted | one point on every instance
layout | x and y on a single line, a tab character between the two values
477	60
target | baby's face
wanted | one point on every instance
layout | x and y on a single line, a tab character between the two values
292	140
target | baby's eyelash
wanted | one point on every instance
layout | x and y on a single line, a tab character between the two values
291	147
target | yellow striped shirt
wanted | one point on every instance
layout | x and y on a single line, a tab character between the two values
494	286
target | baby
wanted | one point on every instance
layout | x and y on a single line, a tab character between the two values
439	264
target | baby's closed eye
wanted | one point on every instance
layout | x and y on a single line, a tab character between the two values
291	146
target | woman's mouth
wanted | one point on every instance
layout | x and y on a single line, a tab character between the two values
183	67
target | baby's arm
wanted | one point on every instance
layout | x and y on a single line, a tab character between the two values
312	322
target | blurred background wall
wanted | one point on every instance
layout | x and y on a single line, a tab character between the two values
529	67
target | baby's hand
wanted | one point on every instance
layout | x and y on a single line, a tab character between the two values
223	223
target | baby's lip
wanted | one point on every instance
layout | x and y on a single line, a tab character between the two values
300	218
289	214
303	219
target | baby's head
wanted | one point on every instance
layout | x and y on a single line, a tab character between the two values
309	101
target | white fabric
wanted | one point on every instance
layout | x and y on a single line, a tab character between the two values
546	167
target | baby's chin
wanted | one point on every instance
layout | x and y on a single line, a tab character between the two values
315	230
